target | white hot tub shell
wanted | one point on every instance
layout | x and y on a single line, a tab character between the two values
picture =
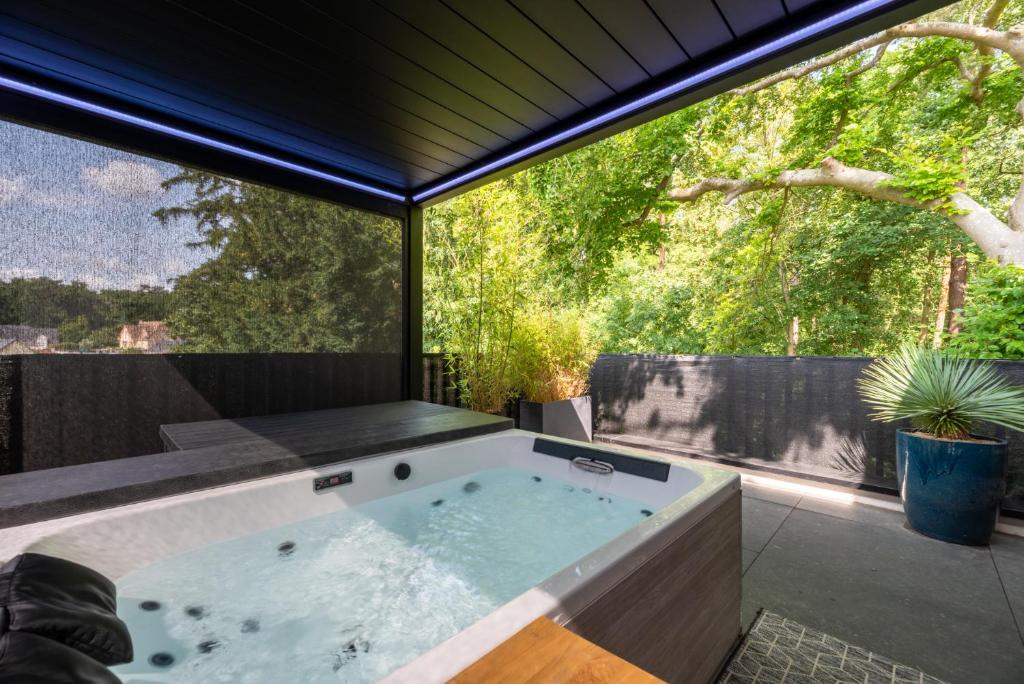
664	595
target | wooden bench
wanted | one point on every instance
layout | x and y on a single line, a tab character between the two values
544	652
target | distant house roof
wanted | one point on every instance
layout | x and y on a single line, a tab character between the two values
27	334
151	331
153	334
12	346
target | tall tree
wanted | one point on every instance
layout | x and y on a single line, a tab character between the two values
847	124
289	273
847	179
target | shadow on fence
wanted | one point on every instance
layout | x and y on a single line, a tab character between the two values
798	415
58	410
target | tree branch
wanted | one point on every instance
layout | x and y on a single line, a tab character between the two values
729	187
639	221
910	75
1011	42
995	11
1015	215
995	238
870	64
985	36
831	173
990	20
818	64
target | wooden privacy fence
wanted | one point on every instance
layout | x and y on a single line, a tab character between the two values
796	415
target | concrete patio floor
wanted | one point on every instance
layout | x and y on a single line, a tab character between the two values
854	571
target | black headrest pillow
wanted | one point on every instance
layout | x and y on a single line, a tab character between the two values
30	659
67	603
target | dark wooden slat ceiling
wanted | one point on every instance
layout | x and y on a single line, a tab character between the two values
745	17
397	93
698	26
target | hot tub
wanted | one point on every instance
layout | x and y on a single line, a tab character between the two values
410	566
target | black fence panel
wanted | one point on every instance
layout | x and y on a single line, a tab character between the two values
796	415
800	415
58	410
10	451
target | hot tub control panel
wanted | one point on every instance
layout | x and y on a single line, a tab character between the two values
335	480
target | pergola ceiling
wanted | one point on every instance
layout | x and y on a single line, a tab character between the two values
418	98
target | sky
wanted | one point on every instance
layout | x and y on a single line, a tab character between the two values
72	210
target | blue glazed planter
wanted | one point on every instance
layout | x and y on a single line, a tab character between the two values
951	490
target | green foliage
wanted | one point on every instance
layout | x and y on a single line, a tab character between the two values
552	355
74	331
993	320
597	202
289	273
853	276
481	272
85	318
864	273
925	177
822	120
494	308
648	310
941	395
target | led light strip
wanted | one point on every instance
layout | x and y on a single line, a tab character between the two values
82	105
809	31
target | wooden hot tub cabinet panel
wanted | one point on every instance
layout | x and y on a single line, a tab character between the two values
677	616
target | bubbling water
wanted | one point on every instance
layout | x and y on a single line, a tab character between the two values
353	595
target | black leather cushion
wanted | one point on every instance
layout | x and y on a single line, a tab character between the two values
29	659
66	602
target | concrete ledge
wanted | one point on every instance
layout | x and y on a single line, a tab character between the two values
807	472
812	482
317	438
790	490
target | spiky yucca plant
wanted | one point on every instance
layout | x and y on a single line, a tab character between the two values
942	395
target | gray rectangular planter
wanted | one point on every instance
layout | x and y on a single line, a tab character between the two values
570	418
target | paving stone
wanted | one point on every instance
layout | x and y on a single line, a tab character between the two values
1008	553
761	519
871	515
924	603
748	558
770	494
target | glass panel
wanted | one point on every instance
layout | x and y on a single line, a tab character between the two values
106	251
136	293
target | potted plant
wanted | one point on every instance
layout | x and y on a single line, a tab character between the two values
553	359
951	480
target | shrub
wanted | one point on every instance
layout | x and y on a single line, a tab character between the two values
553	354
993	320
944	396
